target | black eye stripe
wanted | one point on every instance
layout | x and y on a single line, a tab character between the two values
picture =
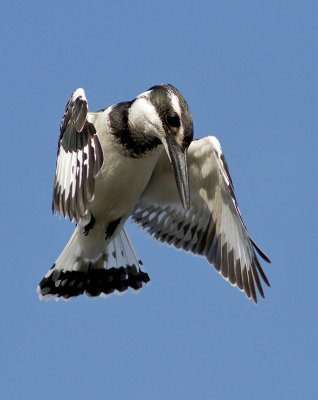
173	119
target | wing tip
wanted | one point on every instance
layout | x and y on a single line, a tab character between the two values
80	92
260	252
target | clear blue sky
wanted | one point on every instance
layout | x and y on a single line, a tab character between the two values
249	72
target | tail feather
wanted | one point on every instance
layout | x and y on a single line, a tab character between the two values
114	268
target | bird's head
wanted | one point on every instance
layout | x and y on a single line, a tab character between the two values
163	113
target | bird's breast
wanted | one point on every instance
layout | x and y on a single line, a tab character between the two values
120	182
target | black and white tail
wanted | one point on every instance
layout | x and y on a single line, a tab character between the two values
115	268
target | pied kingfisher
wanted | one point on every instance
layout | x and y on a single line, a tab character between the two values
138	159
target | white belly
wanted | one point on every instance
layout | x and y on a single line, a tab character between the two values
120	183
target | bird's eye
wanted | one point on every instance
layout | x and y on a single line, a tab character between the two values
173	119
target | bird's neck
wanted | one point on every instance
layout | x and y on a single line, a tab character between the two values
134	138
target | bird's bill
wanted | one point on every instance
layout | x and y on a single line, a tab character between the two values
179	161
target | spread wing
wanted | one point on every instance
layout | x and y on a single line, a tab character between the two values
213	226
79	158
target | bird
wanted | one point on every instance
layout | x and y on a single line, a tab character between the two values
137	159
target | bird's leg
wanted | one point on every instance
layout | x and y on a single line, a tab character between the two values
89	226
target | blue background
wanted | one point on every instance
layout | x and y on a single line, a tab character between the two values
249	71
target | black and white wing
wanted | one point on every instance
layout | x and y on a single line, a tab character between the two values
79	158
213	226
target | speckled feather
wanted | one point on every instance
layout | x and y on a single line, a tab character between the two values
213	226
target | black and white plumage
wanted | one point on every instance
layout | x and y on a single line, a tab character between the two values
138	159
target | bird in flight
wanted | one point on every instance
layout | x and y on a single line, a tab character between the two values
138	159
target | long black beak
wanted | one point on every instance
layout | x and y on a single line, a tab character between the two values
179	160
